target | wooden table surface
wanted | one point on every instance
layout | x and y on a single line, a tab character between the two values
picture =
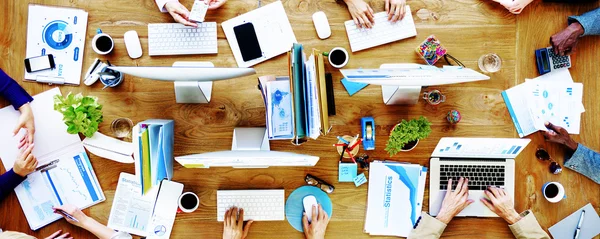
467	28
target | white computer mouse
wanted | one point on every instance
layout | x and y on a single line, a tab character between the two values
321	24
308	203
132	43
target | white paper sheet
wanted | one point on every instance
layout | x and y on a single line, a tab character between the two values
131	212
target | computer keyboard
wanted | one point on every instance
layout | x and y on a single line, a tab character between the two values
258	205
480	176
382	32
177	39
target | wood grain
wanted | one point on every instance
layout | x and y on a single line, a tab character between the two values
468	28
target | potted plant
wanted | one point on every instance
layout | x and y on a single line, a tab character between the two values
406	134
81	114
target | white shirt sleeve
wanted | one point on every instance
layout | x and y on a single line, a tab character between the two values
161	4
121	235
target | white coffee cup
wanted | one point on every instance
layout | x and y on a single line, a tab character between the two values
101	43
338	57
553	192
188	208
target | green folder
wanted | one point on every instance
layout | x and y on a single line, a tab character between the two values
298	81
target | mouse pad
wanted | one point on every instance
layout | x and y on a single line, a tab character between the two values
294	207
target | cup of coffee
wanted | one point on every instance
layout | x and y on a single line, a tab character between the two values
188	202
553	192
338	57
102	43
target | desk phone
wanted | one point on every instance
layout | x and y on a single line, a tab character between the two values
547	61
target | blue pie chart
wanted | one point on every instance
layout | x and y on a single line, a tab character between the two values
57	35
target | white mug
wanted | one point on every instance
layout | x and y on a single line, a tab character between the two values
95	41
557	194
188	210
340	64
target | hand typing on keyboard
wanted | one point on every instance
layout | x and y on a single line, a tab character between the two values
233	225
361	13
395	9
455	200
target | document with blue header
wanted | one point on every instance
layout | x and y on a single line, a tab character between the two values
395	198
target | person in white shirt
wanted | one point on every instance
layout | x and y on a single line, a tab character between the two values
180	13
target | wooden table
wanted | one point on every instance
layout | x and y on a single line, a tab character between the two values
468	28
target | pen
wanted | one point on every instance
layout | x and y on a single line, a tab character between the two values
342	154
69	216
578	230
343	140
340	145
351	147
351	156
47	166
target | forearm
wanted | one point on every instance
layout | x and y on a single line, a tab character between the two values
161	4
99	230
584	161
8	182
590	21
528	227
12	91
427	227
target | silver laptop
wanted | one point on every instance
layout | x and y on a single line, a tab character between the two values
485	161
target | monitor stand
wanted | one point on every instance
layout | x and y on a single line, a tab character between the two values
250	139
400	95
193	92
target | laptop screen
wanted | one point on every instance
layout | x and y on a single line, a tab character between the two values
480	147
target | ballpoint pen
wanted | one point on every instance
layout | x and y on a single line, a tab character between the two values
69	216
47	166
578	230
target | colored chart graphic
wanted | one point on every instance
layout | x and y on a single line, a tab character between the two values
41	206
138	216
57	34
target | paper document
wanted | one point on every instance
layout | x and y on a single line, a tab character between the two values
70	180
61	32
312	95
131	212
109	148
273	30
280	105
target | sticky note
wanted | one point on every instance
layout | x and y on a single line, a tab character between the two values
360	179
347	172
353	87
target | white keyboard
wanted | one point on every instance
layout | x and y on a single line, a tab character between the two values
258	205
177	39
382	32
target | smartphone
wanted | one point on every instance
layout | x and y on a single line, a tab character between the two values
39	63
247	41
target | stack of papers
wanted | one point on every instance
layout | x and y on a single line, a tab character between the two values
552	97
153	154
395	198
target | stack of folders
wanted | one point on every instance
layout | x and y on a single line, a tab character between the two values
153	154
395	198
296	105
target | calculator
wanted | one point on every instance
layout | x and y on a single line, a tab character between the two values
547	61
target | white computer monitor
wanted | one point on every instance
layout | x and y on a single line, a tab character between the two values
401	83
193	80
249	149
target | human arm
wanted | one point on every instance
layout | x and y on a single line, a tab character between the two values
590	21
19	98
214	4
454	202
565	41
99	230
396	9
318	224
361	13
25	163
523	226
179	12
233	226
579	158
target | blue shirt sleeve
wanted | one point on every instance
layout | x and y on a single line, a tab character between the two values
590	21
8	182
13	92
585	161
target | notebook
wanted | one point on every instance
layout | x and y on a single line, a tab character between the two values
589	228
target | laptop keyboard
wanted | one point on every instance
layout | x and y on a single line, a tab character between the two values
480	176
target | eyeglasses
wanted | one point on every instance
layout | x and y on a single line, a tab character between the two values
543	155
317	182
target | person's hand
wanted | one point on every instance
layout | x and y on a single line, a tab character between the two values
25	163
454	201
514	6
180	13
565	41
25	122
557	134
501	204
214	4
73	211
395	9
233	226
318	224
361	13
58	235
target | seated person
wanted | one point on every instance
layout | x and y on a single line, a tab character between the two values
565	41
180	13
233	225
522	225
25	163
362	14
579	158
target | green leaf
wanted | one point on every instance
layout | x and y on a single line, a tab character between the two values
72	129
407	131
